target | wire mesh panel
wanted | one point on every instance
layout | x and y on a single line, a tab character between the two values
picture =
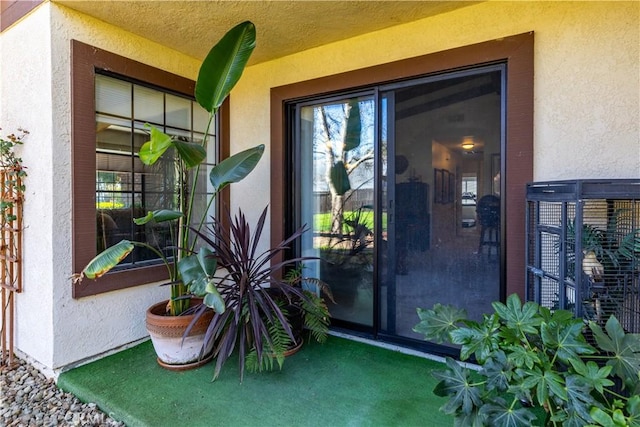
583	248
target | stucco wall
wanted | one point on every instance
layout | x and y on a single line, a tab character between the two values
27	103
587	81
586	124
55	329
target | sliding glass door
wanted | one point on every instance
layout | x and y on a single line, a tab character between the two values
441	196
337	200
400	187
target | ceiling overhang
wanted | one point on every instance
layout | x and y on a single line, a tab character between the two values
284	27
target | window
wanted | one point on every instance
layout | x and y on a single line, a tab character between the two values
126	188
110	184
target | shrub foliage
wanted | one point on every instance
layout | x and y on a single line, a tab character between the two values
536	367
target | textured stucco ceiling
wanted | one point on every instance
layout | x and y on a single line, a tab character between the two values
284	27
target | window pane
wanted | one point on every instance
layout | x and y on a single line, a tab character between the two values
148	105
178	112
113	134
200	118
183	135
336	197
113	96
140	135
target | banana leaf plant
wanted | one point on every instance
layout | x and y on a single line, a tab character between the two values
191	273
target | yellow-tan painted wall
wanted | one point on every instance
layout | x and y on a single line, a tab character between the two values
586	85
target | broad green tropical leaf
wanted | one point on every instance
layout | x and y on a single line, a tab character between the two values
354	126
107	259
498	371
480	339
437	323
522	357
579	400
158	216
630	245
458	386
190	153
566	339
519	317
501	413
196	270
223	66
592	374
474	419
340	178
625	349
236	167
633	411
546	383
213	299
153	149
601	417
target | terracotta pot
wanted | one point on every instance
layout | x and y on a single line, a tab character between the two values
167	332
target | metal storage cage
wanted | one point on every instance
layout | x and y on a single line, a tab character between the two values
583	248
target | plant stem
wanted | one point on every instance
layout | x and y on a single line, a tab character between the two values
193	189
613	393
547	404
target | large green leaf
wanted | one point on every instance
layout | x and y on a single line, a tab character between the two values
437	323
633	411
190	153
579	400
195	270
522	318
625	349
523	357
501	413
213	299
152	150
545	383
592	374
565	340
457	384
223	66
235	168
475	419
107	259
630	245
160	215
480	339
499	372
354	126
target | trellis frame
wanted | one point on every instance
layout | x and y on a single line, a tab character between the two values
11	204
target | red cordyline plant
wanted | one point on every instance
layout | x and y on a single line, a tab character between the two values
255	321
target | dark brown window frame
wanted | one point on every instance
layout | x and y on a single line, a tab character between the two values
516	51
86	60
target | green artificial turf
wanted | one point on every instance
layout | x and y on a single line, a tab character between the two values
339	383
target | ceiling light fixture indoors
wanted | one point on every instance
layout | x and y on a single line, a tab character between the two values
467	142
